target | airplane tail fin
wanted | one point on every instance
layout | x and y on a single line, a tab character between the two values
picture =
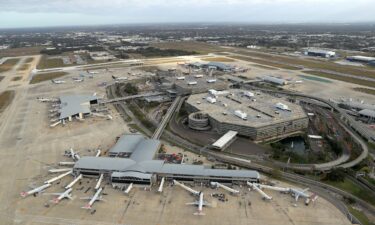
86	207
55	200
199	213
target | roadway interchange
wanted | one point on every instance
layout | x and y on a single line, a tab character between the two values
348	123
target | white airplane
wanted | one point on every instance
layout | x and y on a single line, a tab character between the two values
296	193
66	163
231	190
78	79
42	99
60	196
96	197
57	81
200	203
119	78
35	190
72	154
92	72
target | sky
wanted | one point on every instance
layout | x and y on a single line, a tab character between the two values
44	13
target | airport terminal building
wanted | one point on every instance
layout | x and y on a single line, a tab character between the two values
259	116
132	161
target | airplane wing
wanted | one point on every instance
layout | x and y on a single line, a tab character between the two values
304	190
192	203
70	197
86	198
52	193
296	197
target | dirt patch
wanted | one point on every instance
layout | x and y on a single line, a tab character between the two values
23	67
6	98
16	78
14	52
365	90
46	76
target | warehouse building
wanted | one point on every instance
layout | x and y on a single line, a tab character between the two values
259	116
367	115
361	59
320	53
140	167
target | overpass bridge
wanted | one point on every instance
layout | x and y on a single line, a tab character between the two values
147	94
175	105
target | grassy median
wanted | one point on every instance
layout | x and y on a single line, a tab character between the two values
46	76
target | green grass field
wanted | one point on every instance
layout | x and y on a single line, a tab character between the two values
360	216
6	98
46	63
46	76
309	63
265	62
16	78
348	186
365	90
342	78
8	65
199	47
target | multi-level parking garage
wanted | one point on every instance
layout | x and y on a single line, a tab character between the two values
258	116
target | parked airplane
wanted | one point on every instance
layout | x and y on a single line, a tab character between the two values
96	197
36	190
296	193
78	79
72	154
200	203
119	78
92	72
60	196
57	81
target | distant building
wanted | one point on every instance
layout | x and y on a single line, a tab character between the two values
101	56
275	80
367	115
320	53
361	59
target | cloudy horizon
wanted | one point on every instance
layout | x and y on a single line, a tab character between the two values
38	13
